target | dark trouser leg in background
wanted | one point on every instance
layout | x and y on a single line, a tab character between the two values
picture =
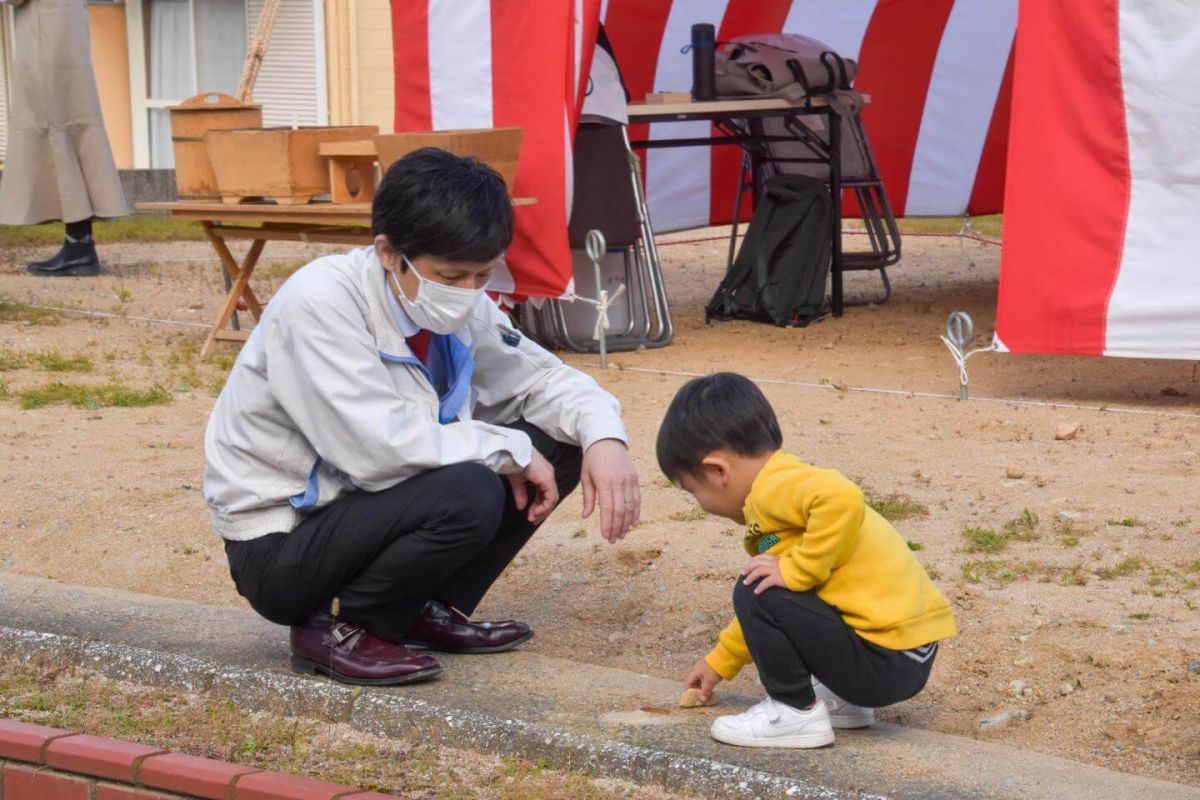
794	636
446	534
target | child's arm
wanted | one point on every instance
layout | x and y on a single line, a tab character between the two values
731	653
830	509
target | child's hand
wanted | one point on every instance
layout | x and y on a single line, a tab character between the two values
703	677
765	570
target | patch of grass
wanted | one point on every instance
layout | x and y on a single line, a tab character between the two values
984	540
1124	522
694	514
896	507
1075	576
222	361
989	225
1067	533
279	270
1023	528
1193	566
134	228
1142	615
994	571
11	360
1122	568
56	693
53	361
122	294
50	361
12	311
933	572
4	393
1182	523
915	546
81	396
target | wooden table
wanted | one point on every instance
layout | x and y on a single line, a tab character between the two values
737	119
259	223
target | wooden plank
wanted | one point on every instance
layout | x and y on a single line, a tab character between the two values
348	149
352	214
723	107
335	235
240	288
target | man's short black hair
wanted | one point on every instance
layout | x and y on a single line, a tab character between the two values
722	411
432	202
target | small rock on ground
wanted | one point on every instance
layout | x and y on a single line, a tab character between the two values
1066	431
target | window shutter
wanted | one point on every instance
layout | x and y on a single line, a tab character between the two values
288	82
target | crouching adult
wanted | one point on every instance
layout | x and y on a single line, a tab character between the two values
386	442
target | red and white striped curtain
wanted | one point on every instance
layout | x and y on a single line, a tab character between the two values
938	72
1102	222
501	63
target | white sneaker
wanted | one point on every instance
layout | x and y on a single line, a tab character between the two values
843	715
773	724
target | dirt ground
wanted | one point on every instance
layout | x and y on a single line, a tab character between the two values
1078	627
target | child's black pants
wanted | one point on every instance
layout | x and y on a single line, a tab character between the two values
794	636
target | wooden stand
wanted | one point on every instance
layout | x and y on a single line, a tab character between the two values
351	171
499	148
283	164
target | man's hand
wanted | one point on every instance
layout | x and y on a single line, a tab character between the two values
703	677
540	473
765	570
609	478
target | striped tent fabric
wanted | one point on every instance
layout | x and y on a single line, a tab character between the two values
498	63
939	74
1102	225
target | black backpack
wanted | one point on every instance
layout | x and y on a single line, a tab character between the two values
780	271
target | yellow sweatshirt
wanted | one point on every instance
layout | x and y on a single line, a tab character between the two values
829	541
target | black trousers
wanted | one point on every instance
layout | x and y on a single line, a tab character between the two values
446	535
795	636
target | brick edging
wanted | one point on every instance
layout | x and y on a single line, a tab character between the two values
38	762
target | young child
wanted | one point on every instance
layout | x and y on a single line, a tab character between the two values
833	608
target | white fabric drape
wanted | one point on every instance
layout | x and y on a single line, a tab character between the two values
170	67
220	44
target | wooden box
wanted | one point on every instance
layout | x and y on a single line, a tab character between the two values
496	147
283	164
190	121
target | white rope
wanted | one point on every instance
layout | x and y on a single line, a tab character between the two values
911	393
87	312
960	358
602	305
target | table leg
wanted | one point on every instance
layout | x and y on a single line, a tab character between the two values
241	285
835	191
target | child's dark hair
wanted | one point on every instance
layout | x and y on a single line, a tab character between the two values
432	202
722	411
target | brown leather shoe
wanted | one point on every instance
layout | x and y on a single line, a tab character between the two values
441	627
350	654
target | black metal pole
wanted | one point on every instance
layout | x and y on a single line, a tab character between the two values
835	190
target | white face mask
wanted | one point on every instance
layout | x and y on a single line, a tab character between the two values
438	308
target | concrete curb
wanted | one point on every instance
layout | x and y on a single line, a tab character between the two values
397	715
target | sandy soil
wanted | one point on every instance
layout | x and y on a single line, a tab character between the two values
1079	637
